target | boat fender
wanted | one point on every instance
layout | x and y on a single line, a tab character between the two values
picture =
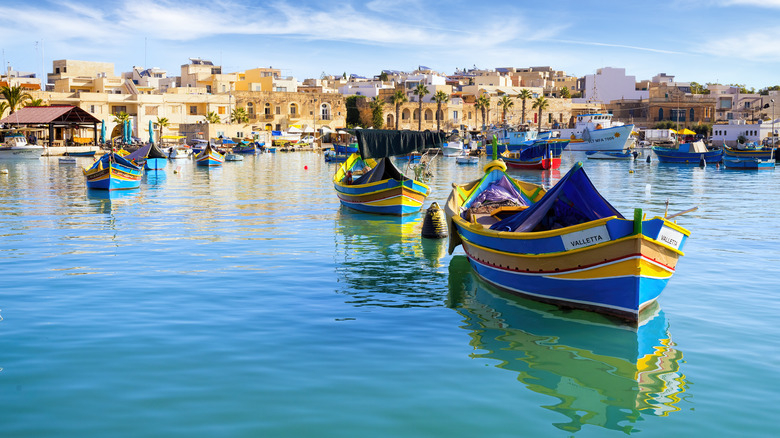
702	162
648	158
497	164
434	223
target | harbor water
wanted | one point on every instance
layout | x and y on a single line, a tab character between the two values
244	301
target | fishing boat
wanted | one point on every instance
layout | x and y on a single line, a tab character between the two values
693	152
452	148
414	157
332	156
345	149
150	156
16	146
198	145
536	154
245	148
567	246
598	132
113	172
209	157
611	155
80	154
381	188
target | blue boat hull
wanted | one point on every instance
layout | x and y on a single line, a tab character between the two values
732	162
155	163
673	156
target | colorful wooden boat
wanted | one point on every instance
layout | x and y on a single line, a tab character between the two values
381	188
345	149
567	246
752	151
150	156
113	172
332	156
209	157
611	155
245	148
80	154
536	154
688	153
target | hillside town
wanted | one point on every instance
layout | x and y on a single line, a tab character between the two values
205	101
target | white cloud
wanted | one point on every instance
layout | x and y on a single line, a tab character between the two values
754	46
756	3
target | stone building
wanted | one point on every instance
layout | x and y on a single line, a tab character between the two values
669	103
268	110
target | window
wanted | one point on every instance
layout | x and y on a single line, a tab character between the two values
268	109
92	108
193	110
119	109
250	109
278	110
691	116
221	110
293	109
660	113
455	116
325	111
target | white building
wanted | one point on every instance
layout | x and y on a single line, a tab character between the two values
756	132
609	84
369	89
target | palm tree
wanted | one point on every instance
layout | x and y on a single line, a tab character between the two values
15	96
3	107
541	104
505	103
162	123
399	97
239	115
212	117
35	102
483	104
524	95
440	97
421	91
120	120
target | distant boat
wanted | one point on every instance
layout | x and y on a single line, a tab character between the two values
735	159
209	157
234	157
372	184
80	154
465	158
597	132
113	172
452	148
332	156
567	245
536	154
688	153
150	156
245	148
16	146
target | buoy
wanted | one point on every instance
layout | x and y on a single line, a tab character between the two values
702	162
648	158
177	169
630	171
434	223
305	167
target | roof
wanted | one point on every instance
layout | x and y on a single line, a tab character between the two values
59	114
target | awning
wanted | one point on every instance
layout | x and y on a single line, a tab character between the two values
172	137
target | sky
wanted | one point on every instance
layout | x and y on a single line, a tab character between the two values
707	41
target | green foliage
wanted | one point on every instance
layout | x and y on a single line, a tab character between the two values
15	97
697	88
162	123
565	93
383	76
353	115
212	117
121	118
741	139
420	91
482	104
398	98
505	103
35	102
524	95
765	91
377	116
702	128
540	103
666	124
3	108
239	115
440	98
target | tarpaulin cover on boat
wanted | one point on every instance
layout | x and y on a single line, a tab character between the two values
380	143
573	200
384	169
149	150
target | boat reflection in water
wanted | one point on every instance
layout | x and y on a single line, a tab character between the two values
602	372
382	261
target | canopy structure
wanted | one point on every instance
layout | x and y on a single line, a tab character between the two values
380	143
384	169
685	132
149	150
57	116
573	200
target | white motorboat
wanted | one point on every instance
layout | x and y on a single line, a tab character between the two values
597	132
16	146
452	148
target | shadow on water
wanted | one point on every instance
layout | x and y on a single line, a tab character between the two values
603	373
383	261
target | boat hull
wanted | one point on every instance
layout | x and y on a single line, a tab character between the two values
114	177
390	196
155	163
747	162
616	138
673	156
541	163
25	152
210	158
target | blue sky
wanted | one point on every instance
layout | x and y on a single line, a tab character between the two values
724	41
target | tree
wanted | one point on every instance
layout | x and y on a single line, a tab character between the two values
377	118
421	91
540	103
353	114
239	115
3	107
697	88
162	123
565	93
212	117
505	103
383	76
15	96
35	102
482	104
120	120
440	97
524	95
399	97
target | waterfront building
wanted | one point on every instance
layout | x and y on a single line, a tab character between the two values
729	133
610	84
25	80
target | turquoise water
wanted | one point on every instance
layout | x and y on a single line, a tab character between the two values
244	301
